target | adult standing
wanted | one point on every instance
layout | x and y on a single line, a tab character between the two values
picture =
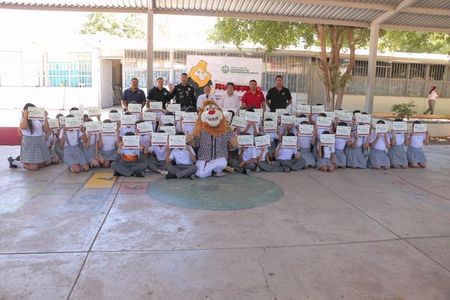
159	93
253	98
205	96
183	93
432	97
279	96
230	99
133	94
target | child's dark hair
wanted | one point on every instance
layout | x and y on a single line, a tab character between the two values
191	109
70	116
364	113
168	124
129	133
302	116
107	121
113	111
304	123
290	134
381	122
251	109
29	122
160	131
180	133
342	124
169	113
356	112
398	120
59	115
322	115
74	108
416	122
326	132
139	121
268	119
127	113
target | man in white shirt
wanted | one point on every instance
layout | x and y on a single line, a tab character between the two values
230	99
205	96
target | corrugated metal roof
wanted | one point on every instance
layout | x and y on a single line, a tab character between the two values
423	15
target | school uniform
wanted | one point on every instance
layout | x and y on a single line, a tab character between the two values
33	148
145	140
158	162
187	128
131	162
184	166
415	152
397	153
248	154
341	158
377	154
50	142
319	131
73	154
125	129
59	150
91	151
304	145
325	160
109	147
284	159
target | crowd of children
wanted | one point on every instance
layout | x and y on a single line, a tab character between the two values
139	140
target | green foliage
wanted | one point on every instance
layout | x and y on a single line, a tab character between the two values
130	27
403	110
415	42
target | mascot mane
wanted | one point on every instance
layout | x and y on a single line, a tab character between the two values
200	126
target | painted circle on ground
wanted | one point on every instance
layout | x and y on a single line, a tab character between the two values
231	192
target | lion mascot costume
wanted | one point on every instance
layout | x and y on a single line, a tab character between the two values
213	137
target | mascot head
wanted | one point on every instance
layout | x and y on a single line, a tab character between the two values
211	120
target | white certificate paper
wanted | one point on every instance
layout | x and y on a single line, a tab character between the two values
159	138
93	127
177	141
134	108
245	140
363	118
343	131
62	121
239	122
145	127
168	129
168	119
115	117
398	126
53	123
261	141
323	121
270	126
346	117
94	111
128	119
420	128
270	115
156	105
36	113
327	139
289	142
173	107
252	117
109	128
73	123
287	120
189	117
381	128
149	116
317	109
306	129
131	142
281	111
303	109
363	130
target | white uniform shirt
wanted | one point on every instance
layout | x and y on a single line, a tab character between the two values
433	95
159	151
417	140
71	137
109	142
37	129
249	153
258	153
304	141
327	151
340	143
399	138
381	144
230	101
126	128
286	153
181	156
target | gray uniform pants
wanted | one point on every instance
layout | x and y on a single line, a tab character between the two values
235	164
126	168
181	170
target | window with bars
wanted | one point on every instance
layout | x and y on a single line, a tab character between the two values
72	69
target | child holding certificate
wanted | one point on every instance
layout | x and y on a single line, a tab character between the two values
287	157
319	128
124	128
51	141
70	137
326	158
397	152
157	158
343	140
108	143
418	137
90	149
356	149
184	161
246	161
306	138
379	144
145	137
132	162
252	126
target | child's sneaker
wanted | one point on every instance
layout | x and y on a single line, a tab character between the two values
163	172
10	159
192	176
258	169
219	174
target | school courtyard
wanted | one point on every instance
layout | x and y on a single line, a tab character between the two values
352	234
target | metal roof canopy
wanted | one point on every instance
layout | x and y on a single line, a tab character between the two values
410	15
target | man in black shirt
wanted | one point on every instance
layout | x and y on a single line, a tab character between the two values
183	93
158	93
278	96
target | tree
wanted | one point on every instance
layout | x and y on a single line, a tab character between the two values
272	35
130	27
415	42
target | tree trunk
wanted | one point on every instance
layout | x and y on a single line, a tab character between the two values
347	75
323	64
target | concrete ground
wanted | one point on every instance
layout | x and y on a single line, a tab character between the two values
353	234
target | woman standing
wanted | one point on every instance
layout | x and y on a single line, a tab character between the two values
34	153
432	96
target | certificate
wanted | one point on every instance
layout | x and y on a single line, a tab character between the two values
177	141
168	119
364	118
168	129
36	113
189	117
239	122
128	119
114	117
298	121
77	113
227	115
270	115
381	128
281	111
289	142
131	142
399	126
149	116
73	123
159	138
287	120
245	140
261	141
270	126
420	128
323	121
134	108
252	117
62	121
259	111
303	109
173	107
53	123
145	127
317	109
178	115
343	131
94	111
338	113
331	114
346	117
93	127
306	129
242	112
156	105
327	139
109	128
363	130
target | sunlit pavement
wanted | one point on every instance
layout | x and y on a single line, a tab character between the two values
352	234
